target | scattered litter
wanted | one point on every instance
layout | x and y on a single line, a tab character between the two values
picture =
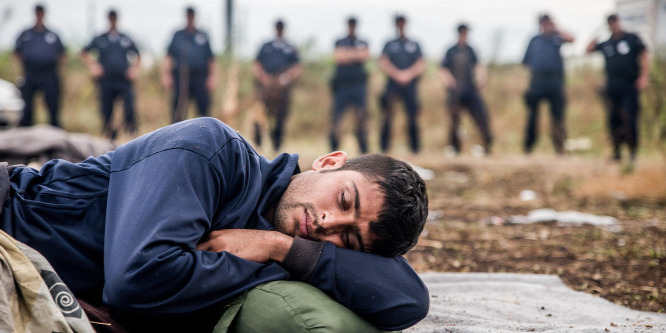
477	151
619	195
578	144
435	215
456	177
449	151
435	244
426	174
527	195
566	218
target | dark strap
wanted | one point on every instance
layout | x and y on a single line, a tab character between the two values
4	184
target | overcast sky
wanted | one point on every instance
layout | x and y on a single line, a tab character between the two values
497	27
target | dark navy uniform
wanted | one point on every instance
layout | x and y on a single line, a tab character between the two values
276	57
191	54
402	53
461	60
114	49
622	70
545	62
40	51
349	88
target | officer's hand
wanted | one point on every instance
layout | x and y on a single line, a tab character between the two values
132	73
642	82
96	71
403	78
253	245
211	83
167	81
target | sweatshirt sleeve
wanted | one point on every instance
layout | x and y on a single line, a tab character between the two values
159	206
385	291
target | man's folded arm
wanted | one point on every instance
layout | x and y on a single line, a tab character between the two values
385	291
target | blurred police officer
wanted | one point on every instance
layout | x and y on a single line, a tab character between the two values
627	70
545	62
189	69
276	67
40	52
462	73
403	62
349	85
114	73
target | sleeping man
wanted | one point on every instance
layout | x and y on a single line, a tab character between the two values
170	229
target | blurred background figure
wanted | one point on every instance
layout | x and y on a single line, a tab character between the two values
627	72
114	73
189	69
544	60
40	52
275	68
463	75
349	85
403	63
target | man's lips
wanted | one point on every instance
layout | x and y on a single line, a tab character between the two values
303	225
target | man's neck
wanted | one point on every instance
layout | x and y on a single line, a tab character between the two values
617	35
39	26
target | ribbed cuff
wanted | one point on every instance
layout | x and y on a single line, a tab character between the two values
302	258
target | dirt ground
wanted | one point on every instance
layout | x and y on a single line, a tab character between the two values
469	230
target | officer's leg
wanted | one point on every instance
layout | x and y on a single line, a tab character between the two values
28	94
51	88
108	94
386	107
128	106
615	129
412	108
280	119
557	111
479	112
201	94
289	306
532	97
453	105
632	110
340	97
358	99
179	99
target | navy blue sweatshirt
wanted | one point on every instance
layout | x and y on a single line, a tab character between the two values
123	227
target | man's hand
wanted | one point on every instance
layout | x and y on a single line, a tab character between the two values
253	245
642	82
96	71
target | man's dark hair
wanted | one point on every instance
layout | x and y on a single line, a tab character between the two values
113	14
279	24
400	19
189	11
351	21
405	207
544	18
462	27
612	18
39	9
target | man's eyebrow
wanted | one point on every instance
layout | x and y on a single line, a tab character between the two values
357	214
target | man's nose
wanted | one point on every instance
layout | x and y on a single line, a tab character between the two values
334	223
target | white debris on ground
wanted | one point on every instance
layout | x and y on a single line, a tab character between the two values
527	195
426	174
566	218
578	144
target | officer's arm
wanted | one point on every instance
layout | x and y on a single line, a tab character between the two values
294	71
260	74
566	37
347	55
481	74
135	68
93	66
417	68
211	81
447	78
591	47
387	67
644	77
165	73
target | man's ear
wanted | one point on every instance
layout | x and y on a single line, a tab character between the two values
332	160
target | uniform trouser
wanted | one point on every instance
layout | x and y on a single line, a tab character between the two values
623	112
409	95
349	95
49	84
193	86
468	97
552	90
109	91
277	100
